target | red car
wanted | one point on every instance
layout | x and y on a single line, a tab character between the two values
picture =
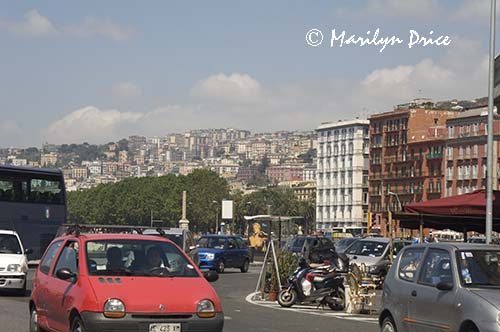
121	282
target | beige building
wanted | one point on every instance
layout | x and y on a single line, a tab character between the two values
48	159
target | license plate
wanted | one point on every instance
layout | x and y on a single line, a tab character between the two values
163	327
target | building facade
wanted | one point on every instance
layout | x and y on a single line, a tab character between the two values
466	151
342	176
406	158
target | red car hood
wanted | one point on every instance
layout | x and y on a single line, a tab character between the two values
145	294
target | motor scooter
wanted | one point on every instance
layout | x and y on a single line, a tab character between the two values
322	285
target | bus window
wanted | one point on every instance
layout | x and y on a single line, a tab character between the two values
45	191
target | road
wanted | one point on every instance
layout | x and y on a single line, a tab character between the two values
241	316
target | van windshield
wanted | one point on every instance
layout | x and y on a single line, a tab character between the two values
9	244
367	248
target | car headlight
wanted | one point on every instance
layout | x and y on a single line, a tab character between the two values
498	319
210	256
114	308
14	268
205	309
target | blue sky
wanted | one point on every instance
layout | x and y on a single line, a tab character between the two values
97	71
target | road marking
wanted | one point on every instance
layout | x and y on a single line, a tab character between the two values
227	318
314	311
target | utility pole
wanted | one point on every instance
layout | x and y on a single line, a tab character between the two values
491	87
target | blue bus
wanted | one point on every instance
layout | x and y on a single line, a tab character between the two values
33	203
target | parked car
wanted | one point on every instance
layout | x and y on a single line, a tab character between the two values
315	249
443	287
342	244
373	253
182	237
482	239
218	252
13	262
121	282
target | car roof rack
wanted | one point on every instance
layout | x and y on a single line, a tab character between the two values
77	229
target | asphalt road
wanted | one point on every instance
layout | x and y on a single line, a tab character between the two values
241	316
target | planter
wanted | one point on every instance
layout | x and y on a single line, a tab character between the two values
273	296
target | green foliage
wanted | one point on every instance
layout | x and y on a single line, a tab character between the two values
308	156
133	200
264	163
287	263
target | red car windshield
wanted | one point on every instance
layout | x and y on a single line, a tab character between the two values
137	258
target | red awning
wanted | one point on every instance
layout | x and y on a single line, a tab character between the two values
461	212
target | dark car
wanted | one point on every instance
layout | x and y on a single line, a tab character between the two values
315	249
182	237
218	252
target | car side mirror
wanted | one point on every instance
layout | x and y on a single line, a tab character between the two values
211	275
65	274
444	286
28	251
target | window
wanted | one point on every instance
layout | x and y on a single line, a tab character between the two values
68	258
409	262
436	268
49	257
450	131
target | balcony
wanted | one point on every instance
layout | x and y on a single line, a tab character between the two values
434	156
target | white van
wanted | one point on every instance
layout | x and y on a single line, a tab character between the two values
13	262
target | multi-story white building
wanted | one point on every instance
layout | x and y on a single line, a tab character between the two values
342	176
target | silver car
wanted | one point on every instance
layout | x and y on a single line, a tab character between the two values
443	287
373	253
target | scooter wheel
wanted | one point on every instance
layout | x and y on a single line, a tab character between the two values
340	293
287	297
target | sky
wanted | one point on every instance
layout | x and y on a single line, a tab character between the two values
98	71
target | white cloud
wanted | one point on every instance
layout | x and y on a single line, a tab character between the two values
126	90
90	124
460	73
36	25
395	8
96	27
33	24
235	88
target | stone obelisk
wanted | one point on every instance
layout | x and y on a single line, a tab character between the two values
184	223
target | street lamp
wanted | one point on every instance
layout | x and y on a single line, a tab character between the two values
216	217
391	193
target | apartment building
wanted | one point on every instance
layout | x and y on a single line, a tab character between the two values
466	152
406	157
342	176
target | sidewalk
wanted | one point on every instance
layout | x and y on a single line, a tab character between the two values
313	310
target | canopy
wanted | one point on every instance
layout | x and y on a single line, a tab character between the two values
465	212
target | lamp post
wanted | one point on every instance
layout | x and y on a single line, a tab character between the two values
391	193
216	218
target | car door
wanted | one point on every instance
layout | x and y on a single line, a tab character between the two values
431	309
243	253
62	292
232	252
41	282
398	284
191	248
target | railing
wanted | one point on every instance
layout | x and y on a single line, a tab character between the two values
434	156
